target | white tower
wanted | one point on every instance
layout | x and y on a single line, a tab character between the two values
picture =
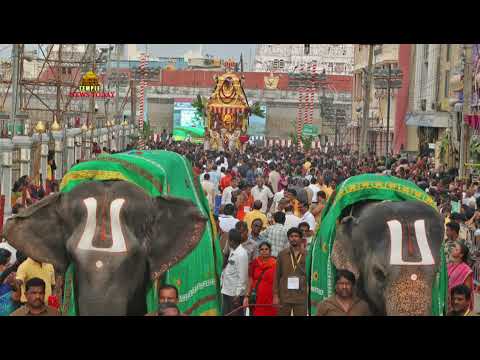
132	52
336	59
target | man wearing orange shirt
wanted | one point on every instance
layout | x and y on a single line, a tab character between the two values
226	180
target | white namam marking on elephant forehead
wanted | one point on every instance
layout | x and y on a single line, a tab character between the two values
396	238
118	240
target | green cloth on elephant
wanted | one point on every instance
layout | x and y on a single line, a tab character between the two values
321	270
161	173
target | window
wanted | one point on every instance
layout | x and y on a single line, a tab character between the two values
281	64
64	70
275	64
425	52
423	104
307	49
447	82
448	52
358	86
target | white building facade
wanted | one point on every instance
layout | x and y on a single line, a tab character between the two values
335	59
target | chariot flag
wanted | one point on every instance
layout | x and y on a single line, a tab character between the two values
321	270
197	275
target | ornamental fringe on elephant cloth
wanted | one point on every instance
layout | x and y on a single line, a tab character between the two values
321	270
160	173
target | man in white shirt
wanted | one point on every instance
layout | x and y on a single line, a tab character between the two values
227	192
223	161
273	178
307	217
469	200
315	189
262	193
276	200
226	221
290	219
215	176
235	275
476	191
209	189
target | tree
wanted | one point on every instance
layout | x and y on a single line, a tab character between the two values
147	130
147	133
200	105
256	110
306	140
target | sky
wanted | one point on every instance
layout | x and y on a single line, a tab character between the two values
177	50
217	50
223	51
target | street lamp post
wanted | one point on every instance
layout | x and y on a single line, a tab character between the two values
109	124
124	140
84	140
387	79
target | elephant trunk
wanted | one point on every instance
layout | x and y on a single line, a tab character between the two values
100	306
409	294
106	296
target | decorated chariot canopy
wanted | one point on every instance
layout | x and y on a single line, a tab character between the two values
227	113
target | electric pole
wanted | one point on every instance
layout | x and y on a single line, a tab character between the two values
107	80
467	93
92	100
336	130
117	83
15	83
366	103
133	98
59	85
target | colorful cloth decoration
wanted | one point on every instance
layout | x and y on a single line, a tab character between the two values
160	173
320	268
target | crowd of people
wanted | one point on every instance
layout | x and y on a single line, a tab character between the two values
267	203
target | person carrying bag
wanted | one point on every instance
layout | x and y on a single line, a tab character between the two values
262	272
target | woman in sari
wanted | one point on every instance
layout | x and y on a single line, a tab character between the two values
459	272
262	274
7	279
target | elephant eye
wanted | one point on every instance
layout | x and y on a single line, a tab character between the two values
379	274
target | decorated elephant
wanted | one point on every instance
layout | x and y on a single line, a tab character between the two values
394	249
389	234
119	224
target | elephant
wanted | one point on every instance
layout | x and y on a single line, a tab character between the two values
394	250
115	234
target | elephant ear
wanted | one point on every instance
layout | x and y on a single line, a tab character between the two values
177	227
342	252
38	232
